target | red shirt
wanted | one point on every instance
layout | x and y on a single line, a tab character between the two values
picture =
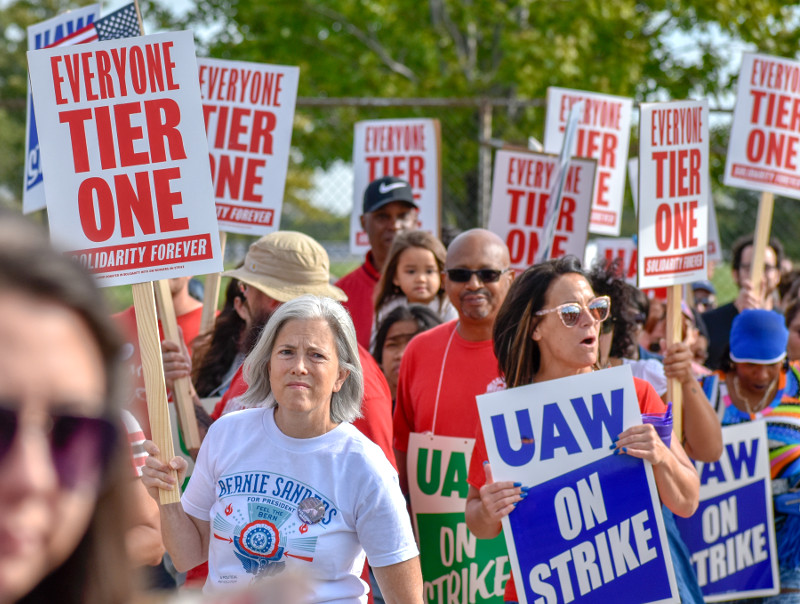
467	369
359	285
649	402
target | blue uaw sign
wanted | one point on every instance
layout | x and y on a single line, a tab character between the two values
591	528
731	537
42	35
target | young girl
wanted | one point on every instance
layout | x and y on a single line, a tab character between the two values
413	275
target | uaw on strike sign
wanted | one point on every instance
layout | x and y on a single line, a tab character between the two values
673	193
731	536
248	110
128	185
591	528
764	148
521	187
603	134
406	148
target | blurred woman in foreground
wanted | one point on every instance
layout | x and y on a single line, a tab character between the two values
62	468
547	329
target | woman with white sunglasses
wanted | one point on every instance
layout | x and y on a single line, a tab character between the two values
548	328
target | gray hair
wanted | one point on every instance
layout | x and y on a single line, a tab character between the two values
345	404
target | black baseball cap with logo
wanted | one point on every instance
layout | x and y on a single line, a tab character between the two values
385	190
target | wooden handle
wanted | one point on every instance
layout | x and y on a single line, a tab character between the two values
211	293
761	240
674	328
182	388
150	349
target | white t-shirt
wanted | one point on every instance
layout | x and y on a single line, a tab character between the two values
649	370
250	479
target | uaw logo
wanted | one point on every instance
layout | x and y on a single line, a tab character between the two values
271	527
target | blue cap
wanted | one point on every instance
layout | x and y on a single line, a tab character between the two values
758	336
706	285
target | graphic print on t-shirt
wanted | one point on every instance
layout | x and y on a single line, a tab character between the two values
267	517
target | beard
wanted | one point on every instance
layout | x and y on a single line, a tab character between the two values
250	336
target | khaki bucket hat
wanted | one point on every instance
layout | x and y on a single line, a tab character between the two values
285	265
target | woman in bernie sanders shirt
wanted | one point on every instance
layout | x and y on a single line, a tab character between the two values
291	485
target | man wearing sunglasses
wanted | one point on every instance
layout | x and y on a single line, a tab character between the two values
444	368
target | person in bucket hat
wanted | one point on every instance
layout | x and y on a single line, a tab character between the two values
279	267
285	265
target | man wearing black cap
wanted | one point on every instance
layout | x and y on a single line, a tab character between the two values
388	209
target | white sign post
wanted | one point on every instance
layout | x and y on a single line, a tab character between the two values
249	111
406	148
764	149
521	187
128	184
591	527
764	142
604	135
673	208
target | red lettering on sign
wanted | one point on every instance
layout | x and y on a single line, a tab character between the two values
676	226
772	148
682	170
98	205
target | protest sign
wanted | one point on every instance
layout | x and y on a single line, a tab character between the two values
591	528
42	35
249	111
633	180
764	141
609	249
406	148
521	186
128	182
731	536
456	566
673	193
714	249
604	135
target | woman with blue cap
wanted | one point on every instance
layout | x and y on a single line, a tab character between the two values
757	382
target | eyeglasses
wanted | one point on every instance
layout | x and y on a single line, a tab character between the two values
570	313
485	275
79	446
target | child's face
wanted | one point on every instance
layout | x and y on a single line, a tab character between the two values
418	275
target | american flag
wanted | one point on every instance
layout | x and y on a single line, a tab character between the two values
122	23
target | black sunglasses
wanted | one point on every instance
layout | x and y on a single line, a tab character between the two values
486	275
79	446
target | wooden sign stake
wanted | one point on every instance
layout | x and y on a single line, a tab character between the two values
211	293
150	349
674	328
761	240
182	388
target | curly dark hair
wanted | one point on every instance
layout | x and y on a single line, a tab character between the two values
606	279
517	353
213	360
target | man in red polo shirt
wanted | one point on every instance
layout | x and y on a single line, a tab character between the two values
388	209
